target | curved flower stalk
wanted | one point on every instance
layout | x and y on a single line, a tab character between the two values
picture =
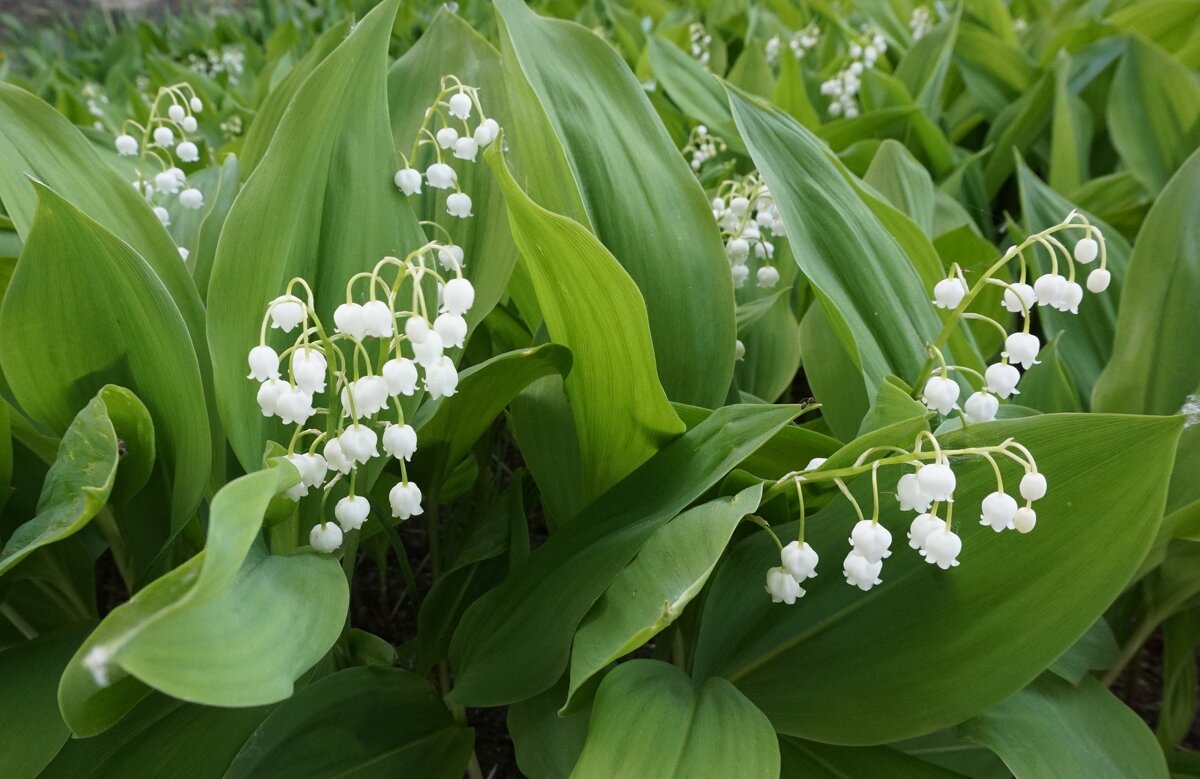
927	490
842	88
750	224
451	114
937	390
172	118
799	43
377	352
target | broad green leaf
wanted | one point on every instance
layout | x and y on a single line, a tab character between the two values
1154	367
1095	650
300	216
869	290
31	729
813	760
791	444
113	432
114	323
1049	386
616	171
360	722
1017	129
216	209
535	611
1070	133
1181	635
1169	23
836	382
547	745
652	591
1052	728
455	423
768	368
904	183
1153	112
545	432
1013	606
173	635
923	67
451	47
693	88
650	719
593	307
195	741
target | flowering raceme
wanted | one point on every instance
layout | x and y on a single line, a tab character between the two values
750	224
377	352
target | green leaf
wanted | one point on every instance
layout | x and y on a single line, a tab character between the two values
535	611
84	310
1052	728
835	380
173	635
547	745
1015	604
693	88
1181	635
1154	367
299	215
923	67
216	209
880	312
605	160
652	591
1096	650
650	719
813	760
1153	112
903	182
594	308
31	729
791	444
113	432
359	722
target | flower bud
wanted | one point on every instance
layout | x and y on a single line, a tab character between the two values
163	136
489	129
739	350
446	137
189	124
183	253
400	441
1098	280
1002	379
352	511
1086	250
196	105
1025	519
459	205
998	510
164	217
1033	486
782	587
325	537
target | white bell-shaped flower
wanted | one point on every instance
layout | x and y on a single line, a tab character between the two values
187	151
1025	520
442	379
949	293
465	148
861	572
400	441
164	216
1022	348
1033	486
740	274
352	511
336	457
196	105
782	587
312	467
1072	297
166	182
428	351
452	328
176	113
998	510
1086	250
942	547
189	124
921	527
981	407
378	320
294	406
799	560
1002	379
359	443
908	492
1098	280
369	395
440	175
408	181
937	481
1050	289
486	132
416	328
191	198
308	369
446	137
767	276
1016	295
127	145
163	136
940	394
183	253
460	105
450	257
286	312
739	350
871	540
268	395
458	296
458	205
349	319
400	373
405	499
325	537
264	363
737	248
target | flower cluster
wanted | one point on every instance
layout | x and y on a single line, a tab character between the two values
749	222
230	61
702	146
800	42
925	490
453	106
408	349
919	22
842	88
700	41
172	118
96	100
939	392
